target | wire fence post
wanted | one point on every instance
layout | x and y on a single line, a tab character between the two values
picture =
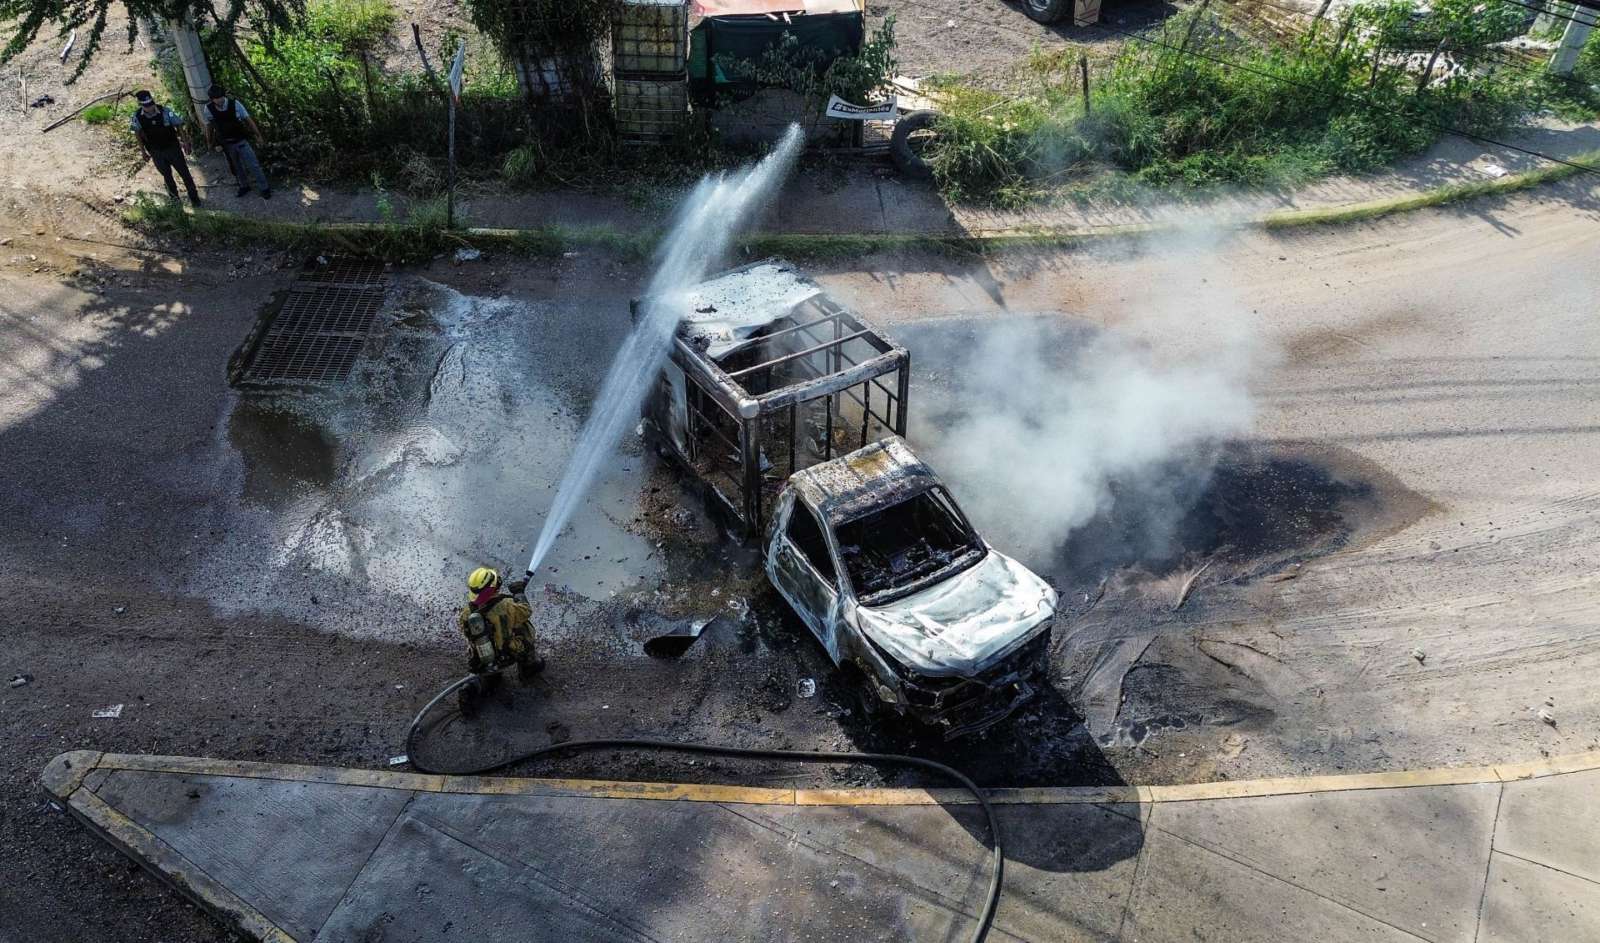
1193	22
456	68
1083	69
450	173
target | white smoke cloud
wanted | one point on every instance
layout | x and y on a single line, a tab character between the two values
1054	418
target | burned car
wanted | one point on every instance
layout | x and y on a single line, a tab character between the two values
879	562
786	410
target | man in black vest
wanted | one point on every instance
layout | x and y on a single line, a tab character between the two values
229	124
156	127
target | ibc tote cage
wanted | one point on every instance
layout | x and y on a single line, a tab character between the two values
816	382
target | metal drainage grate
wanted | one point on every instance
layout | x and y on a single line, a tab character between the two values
315	336
346	271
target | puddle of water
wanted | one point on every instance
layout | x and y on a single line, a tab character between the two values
293	453
441	455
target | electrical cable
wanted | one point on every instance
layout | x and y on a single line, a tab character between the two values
997	855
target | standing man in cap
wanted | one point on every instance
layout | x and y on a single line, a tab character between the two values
230	125
156	127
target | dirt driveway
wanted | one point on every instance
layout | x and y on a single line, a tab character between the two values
1393	567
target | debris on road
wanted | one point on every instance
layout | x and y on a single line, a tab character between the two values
807	687
468	254
1188	586
1420	655
400	760
120	610
18	681
1548	716
1288	574
110	713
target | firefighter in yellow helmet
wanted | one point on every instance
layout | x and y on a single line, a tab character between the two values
498	626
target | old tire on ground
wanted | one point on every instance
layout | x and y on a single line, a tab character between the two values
911	136
1046	11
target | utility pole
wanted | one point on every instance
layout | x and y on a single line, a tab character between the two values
185	42
1083	69
1572	41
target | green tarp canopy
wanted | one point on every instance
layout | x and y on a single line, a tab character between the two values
750	36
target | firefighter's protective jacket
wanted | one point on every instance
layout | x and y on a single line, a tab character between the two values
509	620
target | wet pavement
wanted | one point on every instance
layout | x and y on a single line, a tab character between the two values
361	507
439	456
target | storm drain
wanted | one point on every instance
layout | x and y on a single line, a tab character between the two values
314	336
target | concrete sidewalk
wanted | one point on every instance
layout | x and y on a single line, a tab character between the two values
293	853
862	199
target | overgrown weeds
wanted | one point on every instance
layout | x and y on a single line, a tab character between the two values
1196	104
329	108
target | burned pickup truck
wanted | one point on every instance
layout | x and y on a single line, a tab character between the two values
788	410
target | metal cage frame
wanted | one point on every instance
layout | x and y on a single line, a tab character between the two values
721	404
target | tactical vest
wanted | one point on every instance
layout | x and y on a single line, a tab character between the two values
226	121
158	135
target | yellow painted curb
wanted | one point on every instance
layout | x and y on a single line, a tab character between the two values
166	863
65	775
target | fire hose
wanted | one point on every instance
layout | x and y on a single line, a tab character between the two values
997	856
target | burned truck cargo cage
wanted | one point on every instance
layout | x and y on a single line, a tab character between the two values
767	376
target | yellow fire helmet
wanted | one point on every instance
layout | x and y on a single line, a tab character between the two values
481	577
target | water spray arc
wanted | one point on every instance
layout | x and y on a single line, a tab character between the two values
701	233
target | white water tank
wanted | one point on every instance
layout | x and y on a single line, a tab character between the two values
650	38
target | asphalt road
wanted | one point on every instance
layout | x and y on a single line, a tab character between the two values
1439	368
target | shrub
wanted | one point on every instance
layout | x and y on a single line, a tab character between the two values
328	109
522	168
1230	111
99	114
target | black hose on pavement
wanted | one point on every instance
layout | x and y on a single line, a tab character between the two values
997	873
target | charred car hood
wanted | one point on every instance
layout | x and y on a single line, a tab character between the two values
965	623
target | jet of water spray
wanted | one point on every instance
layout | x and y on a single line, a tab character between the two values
701	233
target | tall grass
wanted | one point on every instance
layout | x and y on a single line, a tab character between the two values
330	109
1199	105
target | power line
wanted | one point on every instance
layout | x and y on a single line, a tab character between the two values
1554	15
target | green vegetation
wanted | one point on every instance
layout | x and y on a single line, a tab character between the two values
25	19
807	72
421	237
1199	104
104	113
424	235
330	110
1442	196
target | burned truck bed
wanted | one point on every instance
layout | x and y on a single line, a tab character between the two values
768	375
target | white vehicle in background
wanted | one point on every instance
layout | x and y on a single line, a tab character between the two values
879	562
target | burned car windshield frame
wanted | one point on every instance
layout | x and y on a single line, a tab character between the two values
958	561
